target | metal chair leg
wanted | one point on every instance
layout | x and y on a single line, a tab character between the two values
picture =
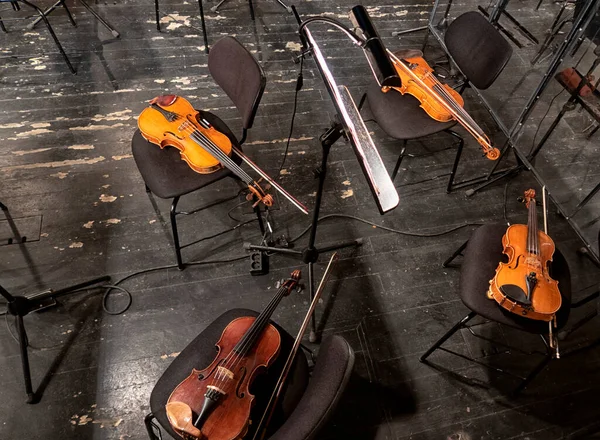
173	214
461	143
251	9
2	26
149	422
448	334
455	254
399	162
532	375
52	34
204	35
3	207
157	15
64	5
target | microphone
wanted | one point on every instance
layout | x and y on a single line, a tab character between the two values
382	67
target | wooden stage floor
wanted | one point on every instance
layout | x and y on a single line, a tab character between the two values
66	163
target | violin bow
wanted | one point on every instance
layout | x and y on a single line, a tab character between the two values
270	181
261	430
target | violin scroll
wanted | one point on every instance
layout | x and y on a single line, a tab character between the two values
529	197
291	284
492	153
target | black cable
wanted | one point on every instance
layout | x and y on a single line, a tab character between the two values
385	228
236	206
299	83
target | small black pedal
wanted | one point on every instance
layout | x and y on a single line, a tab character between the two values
259	263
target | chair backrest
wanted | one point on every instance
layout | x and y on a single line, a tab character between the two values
330	377
479	50
236	71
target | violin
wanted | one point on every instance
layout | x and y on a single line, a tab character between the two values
523	285
440	101
215	403
171	120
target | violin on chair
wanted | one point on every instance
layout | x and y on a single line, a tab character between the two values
215	403
523	285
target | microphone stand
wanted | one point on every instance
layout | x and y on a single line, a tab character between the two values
20	306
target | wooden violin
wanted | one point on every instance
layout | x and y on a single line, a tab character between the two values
215	403
523	285
171	120
440	101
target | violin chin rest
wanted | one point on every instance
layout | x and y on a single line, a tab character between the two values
516	294
181	418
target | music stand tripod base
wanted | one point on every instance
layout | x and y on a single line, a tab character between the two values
310	254
20	306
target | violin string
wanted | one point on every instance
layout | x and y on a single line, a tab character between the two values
467	121
216	152
248	339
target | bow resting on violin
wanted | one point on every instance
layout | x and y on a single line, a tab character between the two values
440	101
215	403
171	120
523	285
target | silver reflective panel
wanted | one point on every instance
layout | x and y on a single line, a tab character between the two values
379	180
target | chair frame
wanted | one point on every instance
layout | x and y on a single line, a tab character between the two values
201	8
42	16
452	185
173	213
548	355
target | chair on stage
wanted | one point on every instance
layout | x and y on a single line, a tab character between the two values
482	253
479	51
305	405
165	174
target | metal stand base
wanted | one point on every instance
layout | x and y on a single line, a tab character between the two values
310	254
20	306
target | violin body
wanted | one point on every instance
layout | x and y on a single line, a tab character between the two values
523	285
215	403
230	418
430	105
440	101
170	131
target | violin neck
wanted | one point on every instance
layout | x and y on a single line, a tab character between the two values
532	230
208	145
246	343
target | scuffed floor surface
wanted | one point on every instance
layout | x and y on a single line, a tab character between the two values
65	163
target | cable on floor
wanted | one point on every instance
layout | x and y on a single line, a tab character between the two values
299	83
385	228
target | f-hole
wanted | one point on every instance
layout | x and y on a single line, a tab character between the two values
516	262
238	392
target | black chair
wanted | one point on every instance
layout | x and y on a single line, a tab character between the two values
479	51
302	410
236	71
42	16
482	253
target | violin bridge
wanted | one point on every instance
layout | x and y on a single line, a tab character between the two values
184	126
224	372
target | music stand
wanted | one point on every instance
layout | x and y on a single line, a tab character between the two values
348	124
21	306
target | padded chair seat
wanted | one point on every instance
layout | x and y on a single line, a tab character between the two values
481	257
401	116
166	174
200	353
